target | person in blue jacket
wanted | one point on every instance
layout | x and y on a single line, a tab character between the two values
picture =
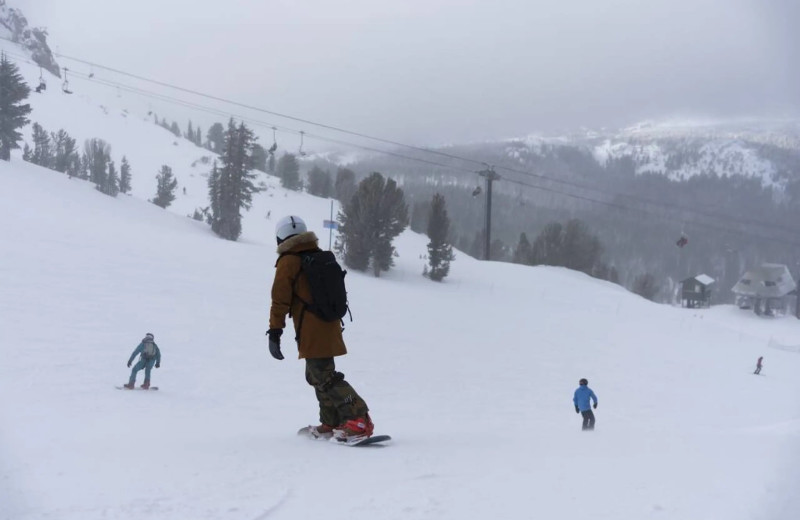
149	355
582	398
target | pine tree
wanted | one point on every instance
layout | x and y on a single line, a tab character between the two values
215	139
345	185
189	132
198	137
440	251
231	187
319	182
125	176
214	196
175	129
289	172
548	247
271	164
111	186
523	252
42	147
27	153
83	167
165	188
97	153
13	91
375	215
259	158
65	151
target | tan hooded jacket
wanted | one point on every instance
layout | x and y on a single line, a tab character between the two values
317	338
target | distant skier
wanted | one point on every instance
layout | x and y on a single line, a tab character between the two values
342	412
758	365
582	396
150	355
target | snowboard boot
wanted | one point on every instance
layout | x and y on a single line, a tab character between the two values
359	428
129	386
323	431
145	385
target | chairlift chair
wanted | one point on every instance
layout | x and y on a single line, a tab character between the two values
300	151
274	146
65	85
42	83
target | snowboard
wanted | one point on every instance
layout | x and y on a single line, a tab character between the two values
375	440
136	388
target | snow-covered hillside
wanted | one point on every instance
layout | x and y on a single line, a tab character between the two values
125	121
473	378
681	150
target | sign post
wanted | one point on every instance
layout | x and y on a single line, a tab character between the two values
330	225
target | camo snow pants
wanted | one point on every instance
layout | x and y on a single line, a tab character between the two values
338	402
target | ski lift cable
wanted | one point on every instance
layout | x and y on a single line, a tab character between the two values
256	122
250	120
564	182
338	129
367	136
417	159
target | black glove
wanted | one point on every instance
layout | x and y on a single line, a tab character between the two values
576	410
275	342
129	364
595	406
158	365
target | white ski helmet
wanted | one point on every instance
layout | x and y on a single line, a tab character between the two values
289	226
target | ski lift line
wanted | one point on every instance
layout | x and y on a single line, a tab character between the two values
357	134
370	137
187	104
270	112
256	122
716	227
649	212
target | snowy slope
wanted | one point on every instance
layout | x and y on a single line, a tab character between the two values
125	120
473	378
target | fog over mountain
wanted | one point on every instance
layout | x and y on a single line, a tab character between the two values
444	71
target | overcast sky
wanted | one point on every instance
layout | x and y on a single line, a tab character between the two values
435	71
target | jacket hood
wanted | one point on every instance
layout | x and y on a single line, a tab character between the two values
308	239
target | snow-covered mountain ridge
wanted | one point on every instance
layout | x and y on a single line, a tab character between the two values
765	149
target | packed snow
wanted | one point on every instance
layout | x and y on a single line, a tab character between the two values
473	378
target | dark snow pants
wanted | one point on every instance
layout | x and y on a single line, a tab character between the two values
588	420
147	365
338	402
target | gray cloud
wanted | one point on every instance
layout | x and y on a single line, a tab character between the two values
447	70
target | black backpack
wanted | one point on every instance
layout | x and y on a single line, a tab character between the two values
326	279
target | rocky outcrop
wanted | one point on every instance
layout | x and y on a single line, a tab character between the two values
14	26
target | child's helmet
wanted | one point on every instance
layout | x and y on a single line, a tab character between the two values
149	336
583	381
289	226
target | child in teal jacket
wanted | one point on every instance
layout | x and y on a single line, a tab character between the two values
150	355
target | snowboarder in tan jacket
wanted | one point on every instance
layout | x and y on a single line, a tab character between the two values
342	412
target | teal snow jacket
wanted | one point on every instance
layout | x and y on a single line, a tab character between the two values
141	349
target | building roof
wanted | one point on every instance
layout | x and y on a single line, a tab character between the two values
703	279
766	281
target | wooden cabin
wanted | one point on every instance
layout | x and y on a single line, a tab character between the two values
696	291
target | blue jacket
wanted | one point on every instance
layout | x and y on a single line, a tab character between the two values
582	396
140	350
